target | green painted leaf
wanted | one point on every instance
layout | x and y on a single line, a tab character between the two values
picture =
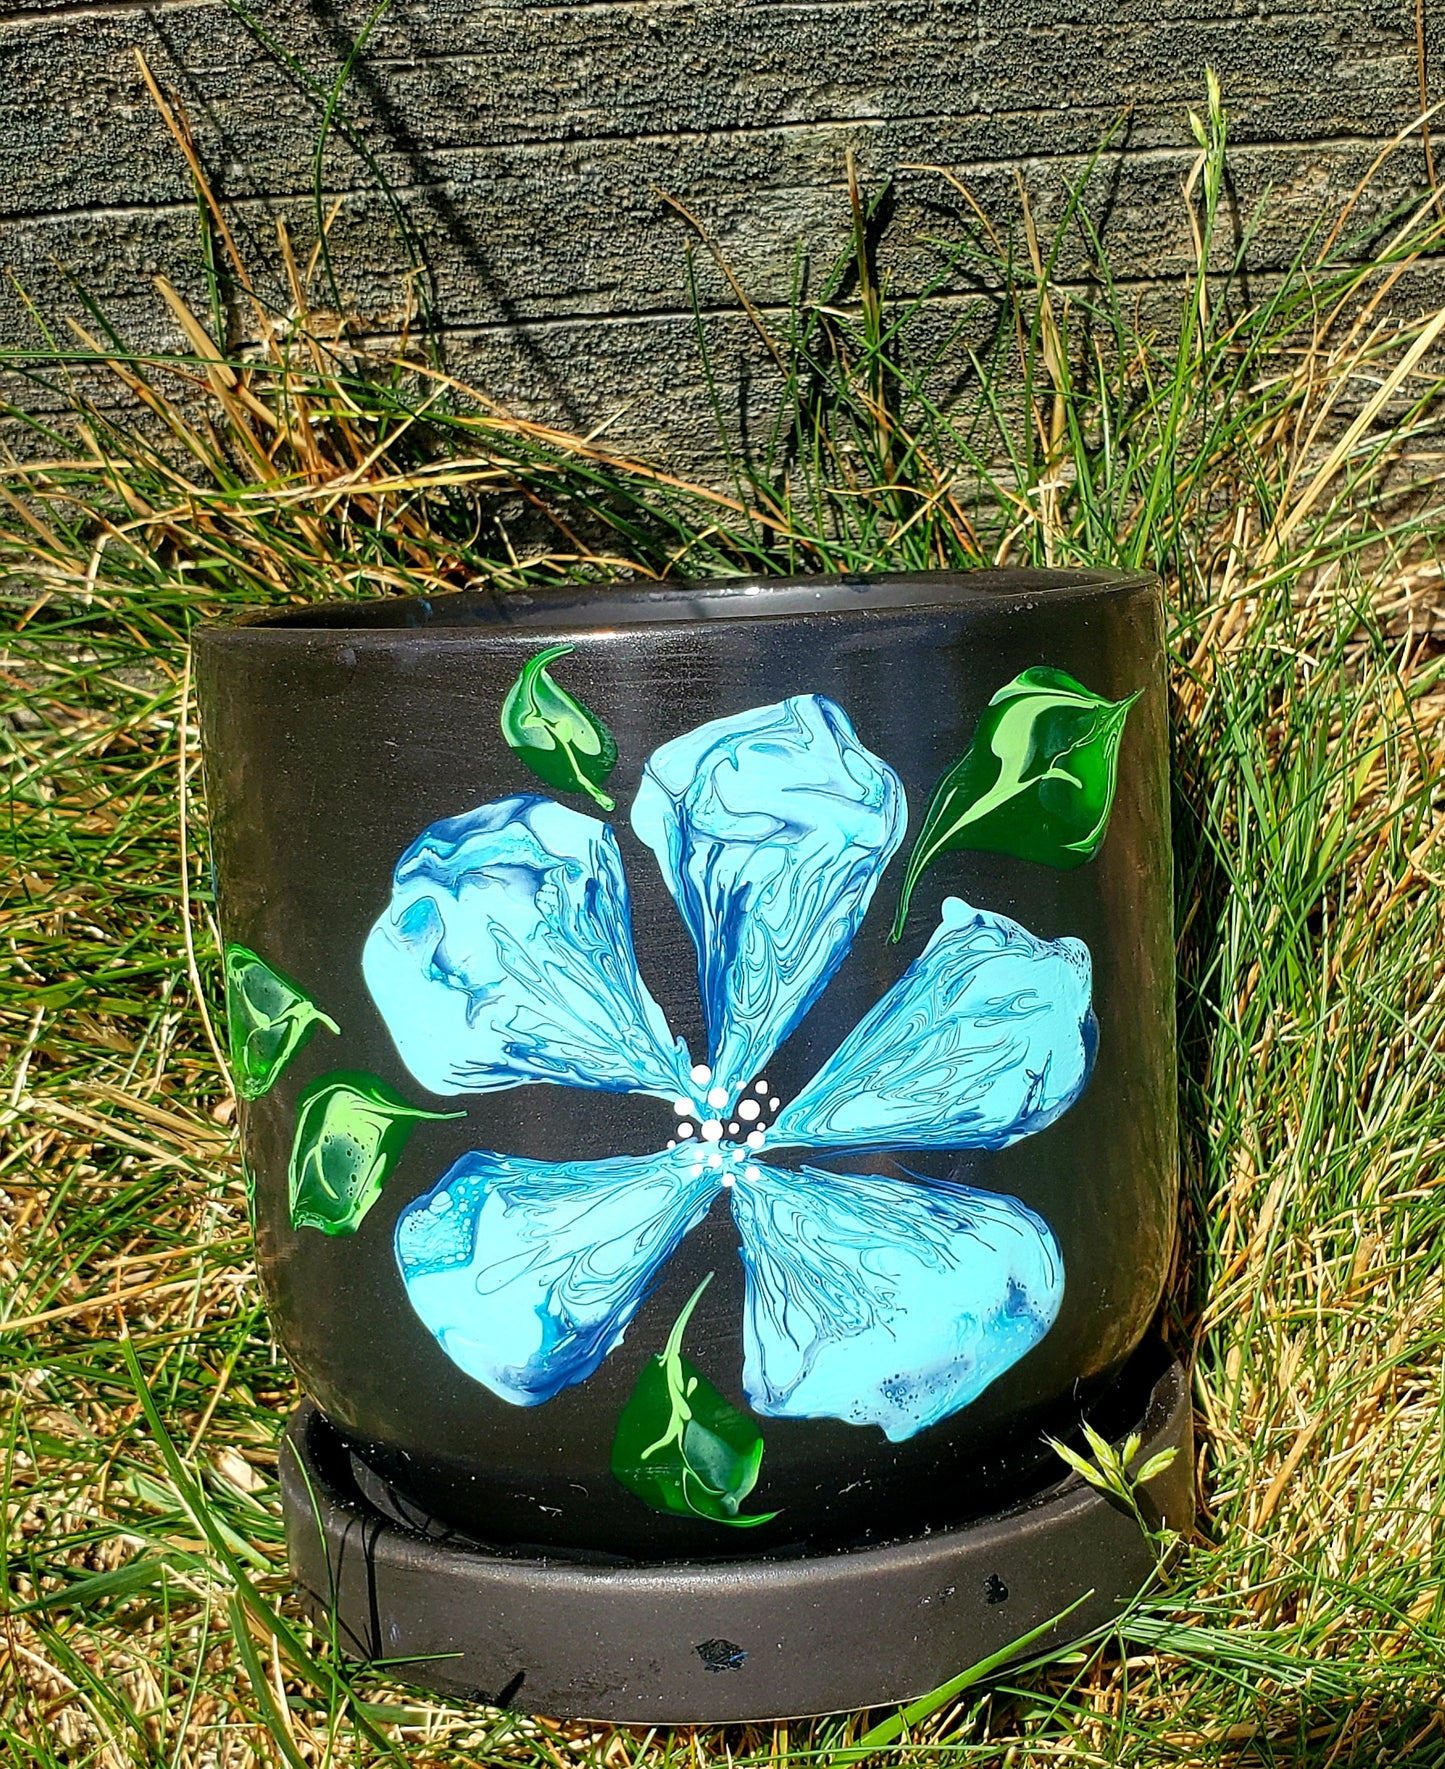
683	1447
350	1132
1037	781
554	734
268	1018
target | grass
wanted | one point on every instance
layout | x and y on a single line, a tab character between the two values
1276	455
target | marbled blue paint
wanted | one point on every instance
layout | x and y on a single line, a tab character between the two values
506	957
987	1037
883	1302
527	1272
872	1300
772	829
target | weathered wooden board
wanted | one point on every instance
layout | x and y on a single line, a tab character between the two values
527	146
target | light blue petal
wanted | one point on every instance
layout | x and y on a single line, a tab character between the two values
882	1302
772	830
987	1037
506	957
527	1272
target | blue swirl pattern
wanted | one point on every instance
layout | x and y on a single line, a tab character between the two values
506	957
882	1302
527	1272
987	1037
772	830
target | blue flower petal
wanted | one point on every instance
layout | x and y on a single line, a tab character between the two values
772	830
506	958
528	1272
882	1302
987	1037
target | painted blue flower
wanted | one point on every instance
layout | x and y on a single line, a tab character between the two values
505	959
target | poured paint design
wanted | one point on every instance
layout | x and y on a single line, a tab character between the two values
506	958
1037	782
268	1019
554	734
884	1303
681	1445
985	1038
350	1132
772	830
528	1272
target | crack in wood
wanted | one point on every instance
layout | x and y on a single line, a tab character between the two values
92	9
265	200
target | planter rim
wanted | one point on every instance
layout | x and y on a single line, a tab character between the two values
611	609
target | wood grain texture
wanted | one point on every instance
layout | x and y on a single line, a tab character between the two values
527	146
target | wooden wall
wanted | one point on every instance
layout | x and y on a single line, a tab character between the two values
527	144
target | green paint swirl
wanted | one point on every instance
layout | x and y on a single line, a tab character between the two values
268	1019
350	1133
1037	781
559	739
681	1446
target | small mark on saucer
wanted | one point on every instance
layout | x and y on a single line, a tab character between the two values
722	1655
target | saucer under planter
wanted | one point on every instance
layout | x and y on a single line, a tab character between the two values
700	1643
708	1082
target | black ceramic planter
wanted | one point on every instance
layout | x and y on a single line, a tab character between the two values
710	1095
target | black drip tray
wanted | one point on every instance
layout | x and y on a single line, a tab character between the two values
635	1643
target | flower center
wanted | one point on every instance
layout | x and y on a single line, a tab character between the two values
725	1138
729	1161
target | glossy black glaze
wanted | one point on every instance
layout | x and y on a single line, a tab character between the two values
334	735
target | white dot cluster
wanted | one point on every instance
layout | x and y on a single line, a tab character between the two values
700	1117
